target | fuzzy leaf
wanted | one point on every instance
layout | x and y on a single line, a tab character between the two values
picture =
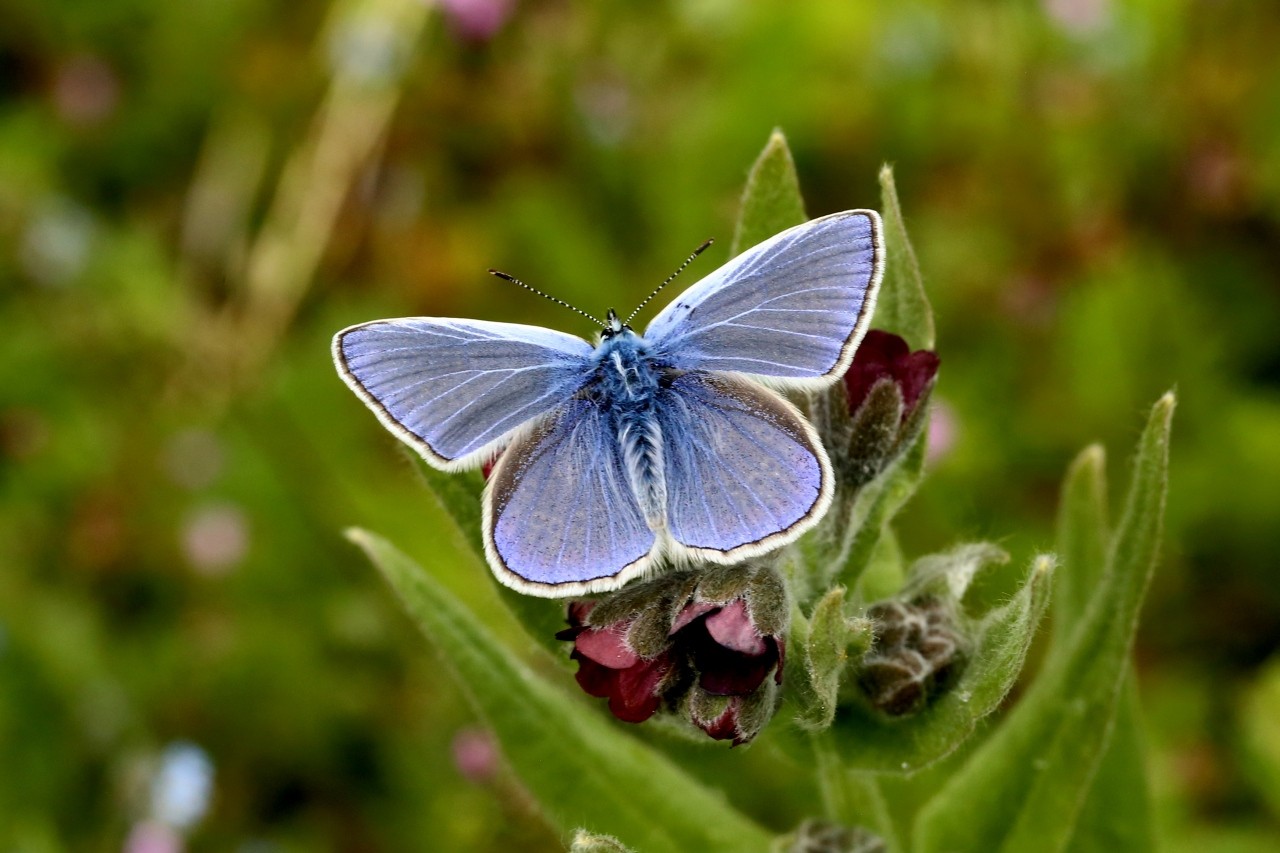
1121	776
578	766
1025	787
948	575
903	308
459	496
832	640
771	201
994	657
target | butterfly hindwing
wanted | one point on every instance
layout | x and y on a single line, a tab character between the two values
560	518
456	389
792	308
745	473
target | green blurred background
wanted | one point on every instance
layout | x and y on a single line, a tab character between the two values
194	197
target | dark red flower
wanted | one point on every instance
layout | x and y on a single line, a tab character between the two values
883	355
713	659
609	667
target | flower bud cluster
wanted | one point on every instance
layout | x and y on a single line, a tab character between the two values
916	654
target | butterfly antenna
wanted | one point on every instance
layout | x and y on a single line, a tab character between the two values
670	278
515	280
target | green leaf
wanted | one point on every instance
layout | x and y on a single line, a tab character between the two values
1121	778
580	767
832	639
771	201
850	798
886	571
1026	786
994	658
903	308
459	496
1082	539
1121	775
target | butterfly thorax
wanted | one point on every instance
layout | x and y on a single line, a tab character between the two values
626	383
625	371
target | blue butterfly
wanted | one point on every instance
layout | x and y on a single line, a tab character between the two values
642	447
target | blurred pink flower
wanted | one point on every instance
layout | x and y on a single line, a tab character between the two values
475	754
86	90
151	836
476	20
944	429
215	538
1079	17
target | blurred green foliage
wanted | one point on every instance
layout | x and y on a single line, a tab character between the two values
195	196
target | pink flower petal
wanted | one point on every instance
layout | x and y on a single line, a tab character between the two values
724	726
732	628
607	646
690	612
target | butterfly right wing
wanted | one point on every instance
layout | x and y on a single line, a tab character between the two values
560	518
456	390
791	310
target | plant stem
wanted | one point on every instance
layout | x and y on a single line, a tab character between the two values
850	797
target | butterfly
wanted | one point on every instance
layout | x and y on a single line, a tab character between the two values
673	444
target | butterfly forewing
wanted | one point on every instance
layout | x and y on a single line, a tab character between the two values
792	308
456	389
559	515
745	473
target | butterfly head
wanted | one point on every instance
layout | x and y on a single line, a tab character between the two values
613	326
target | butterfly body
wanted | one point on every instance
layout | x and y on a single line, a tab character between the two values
644	448
626	385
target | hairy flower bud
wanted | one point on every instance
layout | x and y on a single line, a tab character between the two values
883	356
871	417
707	645
917	651
824	836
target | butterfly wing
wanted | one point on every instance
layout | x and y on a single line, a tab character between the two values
455	390
792	309
559	516
745	473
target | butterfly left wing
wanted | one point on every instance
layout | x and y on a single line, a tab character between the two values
560	518
455	390
792	309
745	472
